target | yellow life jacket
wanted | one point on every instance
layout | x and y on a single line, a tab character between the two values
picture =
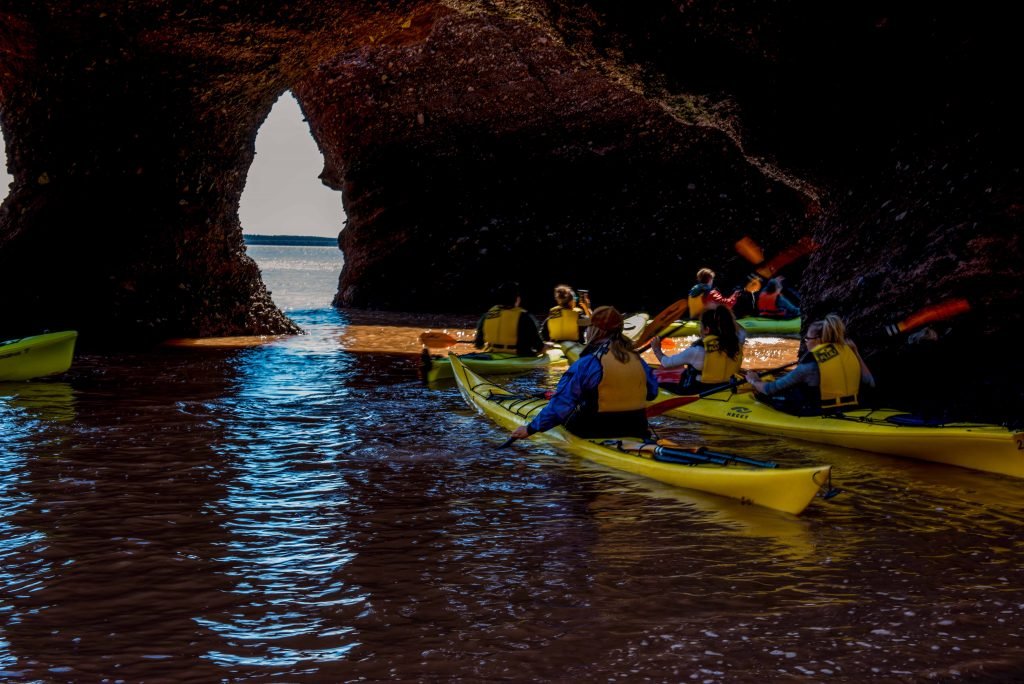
718	366
501	329
695	299
839	370
563	324
623	386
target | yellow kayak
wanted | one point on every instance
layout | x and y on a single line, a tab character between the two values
784	489
37	356
980	446
434	368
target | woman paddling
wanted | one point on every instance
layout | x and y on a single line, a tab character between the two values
710	361
828	377
603	394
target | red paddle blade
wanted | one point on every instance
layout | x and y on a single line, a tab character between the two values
673	312
668	404
803	246
929	314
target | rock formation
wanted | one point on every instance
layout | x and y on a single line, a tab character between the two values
616	146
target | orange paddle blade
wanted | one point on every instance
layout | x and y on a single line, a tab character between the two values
672	313
440	340
750	250
930	314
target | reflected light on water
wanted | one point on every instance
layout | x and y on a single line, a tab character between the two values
304	509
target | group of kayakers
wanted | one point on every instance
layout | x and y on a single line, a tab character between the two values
605	393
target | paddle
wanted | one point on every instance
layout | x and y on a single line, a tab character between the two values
929	314
440	340
671	313
656	409
684	456
752	252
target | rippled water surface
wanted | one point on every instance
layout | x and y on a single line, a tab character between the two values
305	510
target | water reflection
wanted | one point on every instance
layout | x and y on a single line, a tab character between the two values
299	510
105	547
50	401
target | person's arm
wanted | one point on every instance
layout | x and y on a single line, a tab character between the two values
652	381
583	374
866	376
528	334
689	356
803	374
789	309
478	341
717	297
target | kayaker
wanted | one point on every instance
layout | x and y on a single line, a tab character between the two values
507	327
704	293
829	376
773	303
566	320
605	393
710	361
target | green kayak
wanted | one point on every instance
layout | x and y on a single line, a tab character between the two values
434	368
754	325
37	356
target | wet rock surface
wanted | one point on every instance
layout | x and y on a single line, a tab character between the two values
616	149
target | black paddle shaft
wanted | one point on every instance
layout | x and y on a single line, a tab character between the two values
703	455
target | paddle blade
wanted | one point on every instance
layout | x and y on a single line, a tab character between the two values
439	340
803	246
673	312
667	405
930	314
750	250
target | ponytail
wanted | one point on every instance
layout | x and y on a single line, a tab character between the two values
720	321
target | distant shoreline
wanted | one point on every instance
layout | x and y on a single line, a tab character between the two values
296	240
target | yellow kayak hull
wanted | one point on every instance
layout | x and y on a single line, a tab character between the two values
491	363
783	489
37	356
991	448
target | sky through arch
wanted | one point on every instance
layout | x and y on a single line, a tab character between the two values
283	194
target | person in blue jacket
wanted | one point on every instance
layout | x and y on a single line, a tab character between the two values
605	393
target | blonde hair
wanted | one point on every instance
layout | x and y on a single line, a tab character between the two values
705	275
832	329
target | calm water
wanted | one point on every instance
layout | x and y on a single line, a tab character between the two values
305	511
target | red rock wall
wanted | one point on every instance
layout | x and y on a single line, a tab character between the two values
614	145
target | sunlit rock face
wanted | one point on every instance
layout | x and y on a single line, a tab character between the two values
621	148
488	153
616	146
